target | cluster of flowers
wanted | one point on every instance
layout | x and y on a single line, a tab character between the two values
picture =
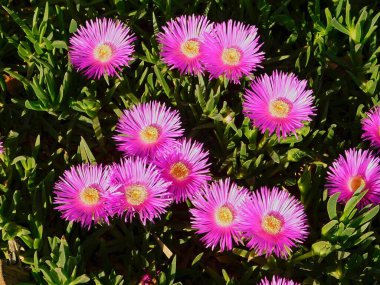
278	103
158	169
162	167
191	44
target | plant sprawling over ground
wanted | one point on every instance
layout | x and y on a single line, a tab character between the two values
189	142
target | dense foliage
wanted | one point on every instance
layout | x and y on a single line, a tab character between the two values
53	117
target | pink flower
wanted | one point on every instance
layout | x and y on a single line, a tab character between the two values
140	190
371	127
101	47
148	279
83	194
273	222
181	42
185	166
1	147
216	212
146	128
358	168
277	281
279	103
232	50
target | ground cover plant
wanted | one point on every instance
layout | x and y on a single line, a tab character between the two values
189	142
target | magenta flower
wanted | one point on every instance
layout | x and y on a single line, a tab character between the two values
83	194
147	128
273	221
277	281
371	127
181	42
279	103
149	279
232	50
1	147
101	47
185	166
216	212
140	190
358	168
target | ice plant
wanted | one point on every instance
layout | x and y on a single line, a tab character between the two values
371	127
232	50
140	190
185	166
273	222
102	46
356	169
146	128
181	42
216	212
279	103
83	194
277	281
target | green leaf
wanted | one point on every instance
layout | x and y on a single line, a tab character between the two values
365	217
351	204
331	206
338	9
328	227
296	154
63	252
363	238
162	81
273	154
225	276
80	280
21	23
11	230
162	278
172	270
41	95
304	183
73	26
60	44
197	259
85	152
340	27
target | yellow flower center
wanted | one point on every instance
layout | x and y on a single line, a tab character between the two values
179	171
231	56
224	216
103	52
356	182
271	224
190	48
150	134
89	196
136	194
279	108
